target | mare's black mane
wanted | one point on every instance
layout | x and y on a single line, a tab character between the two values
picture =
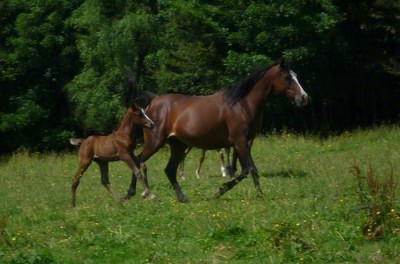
144	98
236	92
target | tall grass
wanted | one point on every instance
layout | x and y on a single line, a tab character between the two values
311	212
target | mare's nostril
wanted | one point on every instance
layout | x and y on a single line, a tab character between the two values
306	99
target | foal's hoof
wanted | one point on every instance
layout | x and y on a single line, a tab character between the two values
148	195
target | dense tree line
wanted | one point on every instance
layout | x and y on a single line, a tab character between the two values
62	74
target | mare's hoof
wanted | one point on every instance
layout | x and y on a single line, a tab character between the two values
128	196
182	198
260	194
218	193
221	190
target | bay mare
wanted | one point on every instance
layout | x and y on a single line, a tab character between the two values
230	117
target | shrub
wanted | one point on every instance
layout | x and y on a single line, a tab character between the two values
377	197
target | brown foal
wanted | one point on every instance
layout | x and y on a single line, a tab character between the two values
119	145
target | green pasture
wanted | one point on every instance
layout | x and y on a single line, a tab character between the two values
311	212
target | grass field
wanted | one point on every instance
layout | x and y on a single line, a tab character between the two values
311	212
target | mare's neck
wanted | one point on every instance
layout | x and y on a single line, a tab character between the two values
259	94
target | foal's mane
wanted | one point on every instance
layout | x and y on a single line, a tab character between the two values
235	92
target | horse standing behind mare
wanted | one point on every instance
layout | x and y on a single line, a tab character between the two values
225	169
229	117
119	145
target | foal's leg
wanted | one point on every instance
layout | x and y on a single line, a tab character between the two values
105	180
83	165
152	145
142	177
201	160
247	162
177	154
133	163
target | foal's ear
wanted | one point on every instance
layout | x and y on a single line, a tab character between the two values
135	107
131	92
129	72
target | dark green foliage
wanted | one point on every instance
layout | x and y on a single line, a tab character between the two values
37	59
61	62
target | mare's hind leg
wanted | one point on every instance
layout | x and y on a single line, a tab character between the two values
229	168
222	162
235	157
105	180
177	154
83	165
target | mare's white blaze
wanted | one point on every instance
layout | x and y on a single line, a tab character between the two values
302	98
147	118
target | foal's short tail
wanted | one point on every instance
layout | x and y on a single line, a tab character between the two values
76	141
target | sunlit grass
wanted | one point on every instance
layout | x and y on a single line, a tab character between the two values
310	212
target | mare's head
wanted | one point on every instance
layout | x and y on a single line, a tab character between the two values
139	118
285	82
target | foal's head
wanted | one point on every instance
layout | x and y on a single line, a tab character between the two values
139	117
285	82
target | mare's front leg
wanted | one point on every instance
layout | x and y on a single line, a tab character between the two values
177	154
243	150
235	157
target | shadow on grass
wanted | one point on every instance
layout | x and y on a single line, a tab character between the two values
4	159
284	174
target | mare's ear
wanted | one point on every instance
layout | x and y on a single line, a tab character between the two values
143	99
